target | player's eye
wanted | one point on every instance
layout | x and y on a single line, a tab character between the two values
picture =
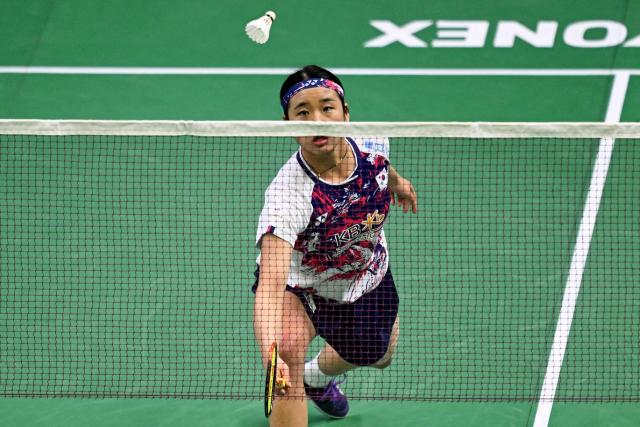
302	113
328	108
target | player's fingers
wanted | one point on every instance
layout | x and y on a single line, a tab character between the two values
410	205
414	200
402	202
282	387
393	197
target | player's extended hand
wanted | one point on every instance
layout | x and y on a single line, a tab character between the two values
282	379
404	195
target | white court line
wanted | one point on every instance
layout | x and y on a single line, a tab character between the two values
265	71
580	253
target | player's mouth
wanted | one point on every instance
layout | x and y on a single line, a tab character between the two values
320	141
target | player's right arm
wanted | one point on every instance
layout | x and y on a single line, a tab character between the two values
275	259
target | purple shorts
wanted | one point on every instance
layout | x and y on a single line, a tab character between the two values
360	331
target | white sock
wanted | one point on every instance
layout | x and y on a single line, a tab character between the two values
313	376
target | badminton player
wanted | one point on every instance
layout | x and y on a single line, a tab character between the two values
324	264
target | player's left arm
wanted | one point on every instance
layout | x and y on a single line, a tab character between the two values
402	191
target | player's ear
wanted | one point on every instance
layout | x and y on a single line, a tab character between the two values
346	112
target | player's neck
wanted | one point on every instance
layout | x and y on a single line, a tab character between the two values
337	167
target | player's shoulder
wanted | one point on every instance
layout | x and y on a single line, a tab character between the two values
290	181
373	145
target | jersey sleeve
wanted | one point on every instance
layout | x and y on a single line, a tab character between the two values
286	212
376	146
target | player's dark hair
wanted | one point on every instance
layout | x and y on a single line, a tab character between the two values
305	73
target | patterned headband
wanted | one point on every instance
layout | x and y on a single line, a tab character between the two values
308	84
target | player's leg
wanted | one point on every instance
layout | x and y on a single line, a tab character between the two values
385	361
297	333
330	364
363	333
322	382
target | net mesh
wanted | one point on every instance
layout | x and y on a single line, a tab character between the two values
127	264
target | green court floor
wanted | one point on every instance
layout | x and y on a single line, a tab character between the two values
165	413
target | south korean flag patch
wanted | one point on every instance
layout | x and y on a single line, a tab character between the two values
383	179
374	146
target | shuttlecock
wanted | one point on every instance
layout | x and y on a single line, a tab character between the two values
258	29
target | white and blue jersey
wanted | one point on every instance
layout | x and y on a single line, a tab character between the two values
336	230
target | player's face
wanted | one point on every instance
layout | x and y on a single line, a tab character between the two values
317	104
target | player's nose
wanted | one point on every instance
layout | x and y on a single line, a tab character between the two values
315	115
318	116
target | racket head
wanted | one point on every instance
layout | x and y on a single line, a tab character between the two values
270	380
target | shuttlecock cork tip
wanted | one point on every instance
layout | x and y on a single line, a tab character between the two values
271	14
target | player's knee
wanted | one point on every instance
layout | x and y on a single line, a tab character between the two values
293	349
385	362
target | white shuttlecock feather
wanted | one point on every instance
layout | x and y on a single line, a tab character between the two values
258	29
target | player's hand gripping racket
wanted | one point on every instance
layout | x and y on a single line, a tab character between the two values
272	381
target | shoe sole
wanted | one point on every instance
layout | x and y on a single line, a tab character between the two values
326	413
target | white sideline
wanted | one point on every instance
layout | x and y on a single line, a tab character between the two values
266	71
580	253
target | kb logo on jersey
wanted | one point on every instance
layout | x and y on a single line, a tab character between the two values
363	231
372	219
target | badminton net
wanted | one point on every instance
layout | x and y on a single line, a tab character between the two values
128	255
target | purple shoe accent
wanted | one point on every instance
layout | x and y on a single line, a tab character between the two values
329	399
